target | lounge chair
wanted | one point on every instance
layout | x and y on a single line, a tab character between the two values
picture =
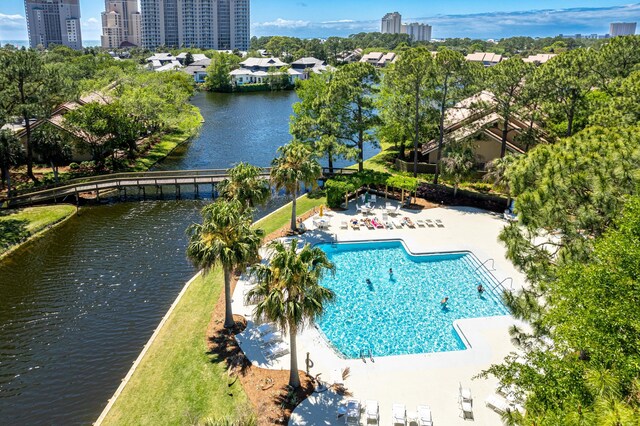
344	224
430	223
397	224
353	412
467	410
464	394
264	329
398	414
409	222
376	223
374	198
372	411
277	350
497	404
439	223
271	338
368	224
421	223
424	415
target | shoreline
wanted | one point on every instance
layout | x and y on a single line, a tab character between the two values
139	360
12	250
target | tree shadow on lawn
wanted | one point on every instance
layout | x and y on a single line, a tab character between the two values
12	231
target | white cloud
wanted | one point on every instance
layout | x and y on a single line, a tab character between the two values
339	21
12	27
283	23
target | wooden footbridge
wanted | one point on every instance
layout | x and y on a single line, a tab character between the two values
72	190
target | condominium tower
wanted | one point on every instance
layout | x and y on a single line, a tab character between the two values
207	24
391	23
121	24
417	32
53	22
622	29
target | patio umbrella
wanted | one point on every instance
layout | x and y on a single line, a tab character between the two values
366	197
321	210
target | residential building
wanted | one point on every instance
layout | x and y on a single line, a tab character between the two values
391	23
258	71
53	22
310	65
540	58
622	29
207	24
379	59
198	69
417	32
476	119
121	24
487	59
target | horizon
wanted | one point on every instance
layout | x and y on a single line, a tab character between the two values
496	20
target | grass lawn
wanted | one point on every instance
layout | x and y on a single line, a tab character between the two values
18	225
282	216
187	128
177	382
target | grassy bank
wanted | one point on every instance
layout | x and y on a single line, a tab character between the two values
282	216
177	382
19	226
188	126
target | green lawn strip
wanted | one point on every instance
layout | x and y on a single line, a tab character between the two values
16	226
282	216
177	382
188	126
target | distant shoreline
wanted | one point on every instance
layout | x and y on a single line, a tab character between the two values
25	43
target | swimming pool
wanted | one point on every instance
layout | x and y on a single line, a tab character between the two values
401	314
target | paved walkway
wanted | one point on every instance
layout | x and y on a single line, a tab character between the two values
424	379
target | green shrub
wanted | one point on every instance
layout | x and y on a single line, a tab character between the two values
336	190
74	166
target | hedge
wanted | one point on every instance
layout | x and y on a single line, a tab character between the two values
338	187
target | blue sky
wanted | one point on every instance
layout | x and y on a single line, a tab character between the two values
452	18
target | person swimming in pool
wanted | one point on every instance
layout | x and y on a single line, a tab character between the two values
390	272
368	281
480	289
444	302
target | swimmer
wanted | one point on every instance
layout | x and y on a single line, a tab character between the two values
391	272
480	288
444	302
368	281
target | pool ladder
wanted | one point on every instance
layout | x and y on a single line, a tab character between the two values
366	353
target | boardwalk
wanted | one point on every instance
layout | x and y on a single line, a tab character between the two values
121	181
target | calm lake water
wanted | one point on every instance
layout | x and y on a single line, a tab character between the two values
78	305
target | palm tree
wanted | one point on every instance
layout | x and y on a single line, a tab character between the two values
246	185
458	163
289	293
226	237
497	174
296	165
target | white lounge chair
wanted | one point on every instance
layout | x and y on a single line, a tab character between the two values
399	414
424	415
264	329
439	223
271	338
275	351
421	223
497	404
467	410
373	198
464	394
344	224
430	223
353	412
396	223
372	411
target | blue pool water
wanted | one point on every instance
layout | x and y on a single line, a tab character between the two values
401	314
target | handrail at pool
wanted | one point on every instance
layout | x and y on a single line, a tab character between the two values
493	264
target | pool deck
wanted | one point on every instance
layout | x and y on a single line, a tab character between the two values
424	379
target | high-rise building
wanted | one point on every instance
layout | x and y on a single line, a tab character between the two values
207	24
622	29
391	23
53	22
417	32
120	23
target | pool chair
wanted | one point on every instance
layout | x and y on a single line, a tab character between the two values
467	410
264	329
398	414
497	404
397	224
374	198
355	225
409	222
439	223
271	338
275	351
344	224
430	223
377	224
424	415
464	394
353	412
372	411
420	223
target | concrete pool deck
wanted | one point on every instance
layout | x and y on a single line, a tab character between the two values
429	379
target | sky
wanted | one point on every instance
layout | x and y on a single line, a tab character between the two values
451	18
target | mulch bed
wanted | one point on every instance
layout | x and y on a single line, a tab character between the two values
266	389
